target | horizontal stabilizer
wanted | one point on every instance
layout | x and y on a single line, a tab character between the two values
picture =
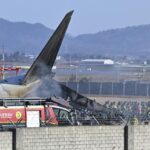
43	64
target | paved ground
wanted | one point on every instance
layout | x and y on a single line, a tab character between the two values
103	99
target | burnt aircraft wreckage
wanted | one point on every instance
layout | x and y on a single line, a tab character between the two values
38	82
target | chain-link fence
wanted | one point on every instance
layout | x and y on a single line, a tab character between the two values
128	88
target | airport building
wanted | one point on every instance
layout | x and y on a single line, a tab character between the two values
97	61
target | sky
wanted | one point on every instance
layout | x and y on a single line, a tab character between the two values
90	16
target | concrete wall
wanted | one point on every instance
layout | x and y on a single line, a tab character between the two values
139	137
71	138
77	138
5	140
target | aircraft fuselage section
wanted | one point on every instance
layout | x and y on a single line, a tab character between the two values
15	91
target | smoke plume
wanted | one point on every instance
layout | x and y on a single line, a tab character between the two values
46	86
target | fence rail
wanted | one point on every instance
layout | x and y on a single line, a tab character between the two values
128	88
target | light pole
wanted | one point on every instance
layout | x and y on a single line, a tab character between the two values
100	88
112	89
135	88
124	88
77	81
147	94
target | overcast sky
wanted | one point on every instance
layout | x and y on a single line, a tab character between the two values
89	16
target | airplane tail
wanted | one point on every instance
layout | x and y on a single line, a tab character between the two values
43	64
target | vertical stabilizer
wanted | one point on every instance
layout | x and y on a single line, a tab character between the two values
43	64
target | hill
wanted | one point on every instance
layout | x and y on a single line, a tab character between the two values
133	41
30	38
21	36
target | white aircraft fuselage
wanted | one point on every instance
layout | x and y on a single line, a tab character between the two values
16	91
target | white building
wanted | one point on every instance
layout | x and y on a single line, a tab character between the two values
98	61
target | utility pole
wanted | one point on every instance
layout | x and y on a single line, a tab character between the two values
3	59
